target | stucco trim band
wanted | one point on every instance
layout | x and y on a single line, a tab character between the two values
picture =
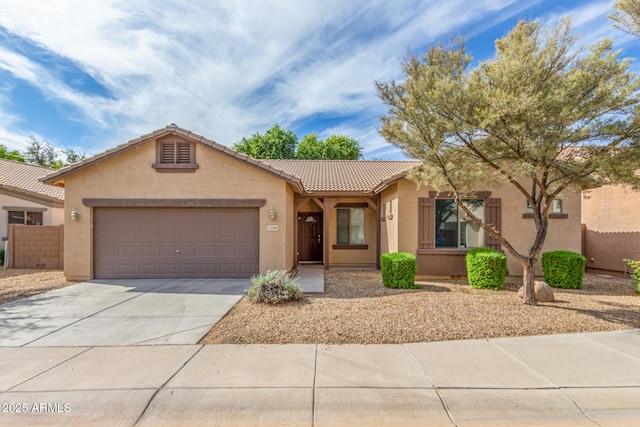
174	203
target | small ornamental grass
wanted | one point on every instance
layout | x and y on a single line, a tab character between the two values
274	287
563	269
486	268
634	265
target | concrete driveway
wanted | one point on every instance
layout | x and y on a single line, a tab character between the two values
120	312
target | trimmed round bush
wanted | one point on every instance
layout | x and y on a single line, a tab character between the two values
563	269
486	268
274	287
399	270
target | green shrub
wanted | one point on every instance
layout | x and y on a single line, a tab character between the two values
486	268
1	257
274	287
399	270
563	269
634	265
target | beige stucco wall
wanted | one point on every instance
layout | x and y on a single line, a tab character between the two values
563	233
389	227
354	257
309	206
610	214
130	175
51	216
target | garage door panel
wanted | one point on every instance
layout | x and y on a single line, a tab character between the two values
148	269
110	250
128	251
180	242
188	269
168	269
189	251
128	269
231	269
246	232
167	251
209	251
209	269
147	251
125	231
148	232
167	232
227	251
187	232
248	251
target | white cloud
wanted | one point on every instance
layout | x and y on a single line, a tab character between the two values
228	69
589	21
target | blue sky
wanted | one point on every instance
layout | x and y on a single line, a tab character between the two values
92	74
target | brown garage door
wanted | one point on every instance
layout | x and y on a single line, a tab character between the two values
175	242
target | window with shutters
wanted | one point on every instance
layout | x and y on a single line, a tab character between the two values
175	156
454	229
443	225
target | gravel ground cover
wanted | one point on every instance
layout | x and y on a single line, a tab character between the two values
22	283
357	309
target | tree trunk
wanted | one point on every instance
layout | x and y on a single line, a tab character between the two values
528	282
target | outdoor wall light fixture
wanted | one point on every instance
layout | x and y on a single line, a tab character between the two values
75	214
272	214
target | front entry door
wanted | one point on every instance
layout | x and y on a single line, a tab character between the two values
310	232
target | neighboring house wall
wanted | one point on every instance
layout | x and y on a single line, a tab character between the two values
51	215
563	233
610	214
129	175
36	247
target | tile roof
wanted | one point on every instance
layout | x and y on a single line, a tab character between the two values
24	178
364	176
355	176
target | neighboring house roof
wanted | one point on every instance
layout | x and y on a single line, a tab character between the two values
57	177
308	176
23	178
360	176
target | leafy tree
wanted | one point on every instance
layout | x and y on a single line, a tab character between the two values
542	115
310	148
43	153
341	147
626	16
276	143
10	155
335	147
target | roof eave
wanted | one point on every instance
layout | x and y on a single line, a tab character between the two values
389	181
339	193
57	178
34	194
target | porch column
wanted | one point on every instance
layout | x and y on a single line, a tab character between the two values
378	231
326	210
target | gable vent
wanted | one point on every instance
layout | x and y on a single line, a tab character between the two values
184	152
168	153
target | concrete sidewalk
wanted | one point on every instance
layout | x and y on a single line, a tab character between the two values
581	379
